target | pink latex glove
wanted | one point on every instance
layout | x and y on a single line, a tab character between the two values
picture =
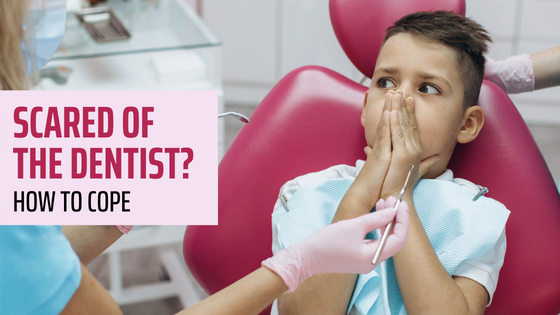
514	74
341	247
124	228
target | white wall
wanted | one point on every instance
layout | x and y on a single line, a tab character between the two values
263	40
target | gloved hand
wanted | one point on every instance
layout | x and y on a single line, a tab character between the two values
514	74
124	228
341	247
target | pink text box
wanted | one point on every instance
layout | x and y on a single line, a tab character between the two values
165	136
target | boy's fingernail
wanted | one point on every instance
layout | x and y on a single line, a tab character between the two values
385	114
411	101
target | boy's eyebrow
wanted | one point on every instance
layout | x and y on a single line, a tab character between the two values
389	70
430	76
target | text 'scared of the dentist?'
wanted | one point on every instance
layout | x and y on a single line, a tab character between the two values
109	157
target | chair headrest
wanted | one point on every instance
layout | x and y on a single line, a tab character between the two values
360	26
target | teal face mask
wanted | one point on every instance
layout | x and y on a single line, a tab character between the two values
45	27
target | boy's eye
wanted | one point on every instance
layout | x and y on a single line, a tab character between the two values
428	89
385	84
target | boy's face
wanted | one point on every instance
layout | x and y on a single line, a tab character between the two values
428	73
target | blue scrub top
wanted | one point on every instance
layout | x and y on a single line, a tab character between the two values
39	271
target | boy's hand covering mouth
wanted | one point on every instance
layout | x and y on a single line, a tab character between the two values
406	148
377	163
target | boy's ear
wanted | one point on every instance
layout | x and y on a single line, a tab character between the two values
473	120
363	119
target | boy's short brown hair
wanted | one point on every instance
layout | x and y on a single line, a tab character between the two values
464	36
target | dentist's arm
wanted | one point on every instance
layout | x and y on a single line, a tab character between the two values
89	241
525	73
339	247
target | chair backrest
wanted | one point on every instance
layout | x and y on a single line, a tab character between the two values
311	120
360	26
506	159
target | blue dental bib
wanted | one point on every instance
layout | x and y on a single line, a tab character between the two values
458	228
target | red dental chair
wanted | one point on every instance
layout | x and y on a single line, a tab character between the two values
310	121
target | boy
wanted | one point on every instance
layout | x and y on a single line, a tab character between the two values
421	102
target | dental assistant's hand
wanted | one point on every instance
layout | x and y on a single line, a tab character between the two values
525	73
407	150
340	247
514	74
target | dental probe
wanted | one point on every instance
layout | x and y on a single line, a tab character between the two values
236	115
390	225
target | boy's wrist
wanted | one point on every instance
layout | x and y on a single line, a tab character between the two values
352	205
408	197
364	193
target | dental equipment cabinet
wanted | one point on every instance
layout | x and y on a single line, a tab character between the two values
170	48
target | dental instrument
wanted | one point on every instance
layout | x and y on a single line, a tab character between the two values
390	225
103	25
236	115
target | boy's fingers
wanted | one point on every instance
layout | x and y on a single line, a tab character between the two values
404	120
368	150
397	136
404	109
385	122
426	164
385	134
384	128
399	106
395	101
388	100
411	111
